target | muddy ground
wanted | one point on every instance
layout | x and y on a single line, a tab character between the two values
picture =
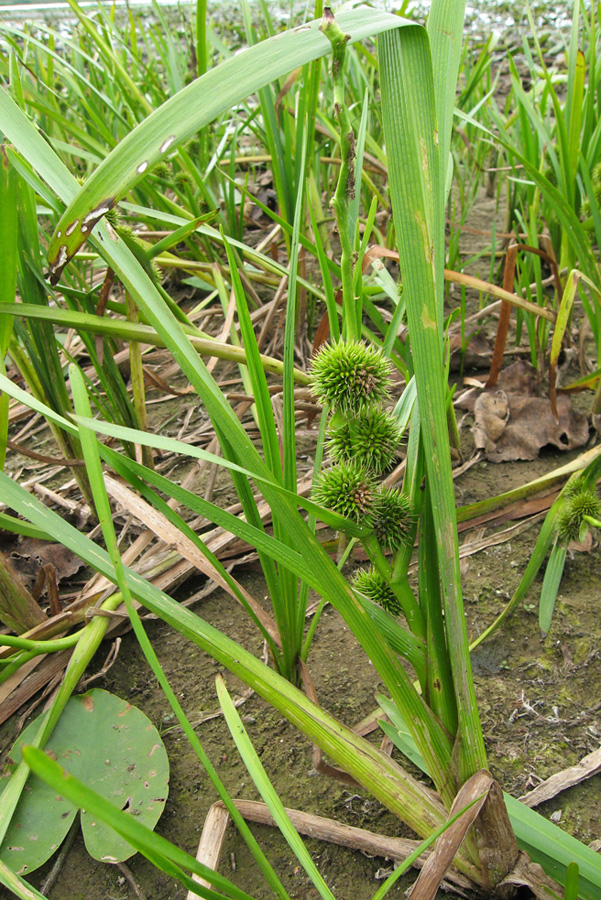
539	703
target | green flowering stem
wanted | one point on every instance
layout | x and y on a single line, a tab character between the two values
376	556
413	614
342	547
345	189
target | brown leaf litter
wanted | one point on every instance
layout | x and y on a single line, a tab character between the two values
511	422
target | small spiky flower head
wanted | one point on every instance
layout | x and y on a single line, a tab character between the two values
162	170
571	524
393	519
113	216
575	487
370	439
350	376
183	179
375	587
585	208
347	490
596	180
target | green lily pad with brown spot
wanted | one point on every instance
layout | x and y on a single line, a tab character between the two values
116	750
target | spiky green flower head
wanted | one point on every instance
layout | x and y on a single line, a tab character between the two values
585	209
574	487
393	519
350	376
347	489
113	216
571	525
596	180
163	171
370	439
374	586
183	179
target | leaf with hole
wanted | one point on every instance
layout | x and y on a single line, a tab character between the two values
114	748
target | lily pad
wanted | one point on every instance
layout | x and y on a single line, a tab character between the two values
115	749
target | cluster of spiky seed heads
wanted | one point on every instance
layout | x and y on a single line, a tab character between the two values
353	379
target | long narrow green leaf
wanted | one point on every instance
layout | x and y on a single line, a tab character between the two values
414	170
266	789
260	389
551	582
294	595
445	30
8	274
132	331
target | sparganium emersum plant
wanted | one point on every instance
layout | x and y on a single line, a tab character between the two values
433	705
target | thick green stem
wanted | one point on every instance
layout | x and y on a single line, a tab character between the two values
143	454
345	189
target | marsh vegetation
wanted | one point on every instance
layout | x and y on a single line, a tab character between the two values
300	368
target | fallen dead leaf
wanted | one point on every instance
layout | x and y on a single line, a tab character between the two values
30	555
511	422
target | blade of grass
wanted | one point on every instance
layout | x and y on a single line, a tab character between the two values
408	113
267	791
90	446
130	331
8	275
551	582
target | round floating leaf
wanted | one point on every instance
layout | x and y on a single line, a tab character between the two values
112	747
